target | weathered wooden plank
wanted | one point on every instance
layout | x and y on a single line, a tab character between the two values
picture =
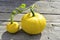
48	7
32	0
50	18
54	0
15	3
19	0
9	6
48	33
45	7
48	24
4	16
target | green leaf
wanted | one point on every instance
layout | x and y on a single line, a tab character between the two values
22	5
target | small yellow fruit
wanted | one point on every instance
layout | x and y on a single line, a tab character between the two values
12	28
33	24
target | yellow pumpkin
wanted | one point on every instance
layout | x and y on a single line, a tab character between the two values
12	28
33	24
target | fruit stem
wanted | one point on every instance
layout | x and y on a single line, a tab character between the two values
32	11
12	16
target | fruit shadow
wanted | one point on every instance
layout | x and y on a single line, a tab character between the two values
21	35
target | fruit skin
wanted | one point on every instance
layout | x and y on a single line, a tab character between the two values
12	28
33	24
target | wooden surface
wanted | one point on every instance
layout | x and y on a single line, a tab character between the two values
49	8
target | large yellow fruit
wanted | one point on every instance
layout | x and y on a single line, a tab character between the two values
33	24
12	28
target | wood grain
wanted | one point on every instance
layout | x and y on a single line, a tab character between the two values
45	7
48	32
50	18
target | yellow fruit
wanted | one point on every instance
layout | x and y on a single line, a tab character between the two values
33	24
12	28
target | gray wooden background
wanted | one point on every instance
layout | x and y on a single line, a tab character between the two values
49	8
